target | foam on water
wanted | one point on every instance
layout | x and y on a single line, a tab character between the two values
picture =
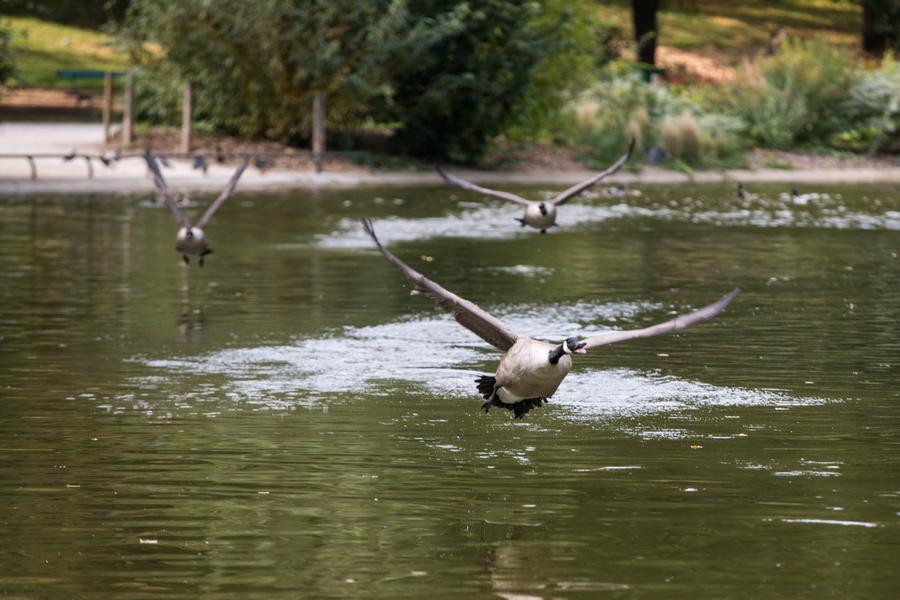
440	358
488	222
497	222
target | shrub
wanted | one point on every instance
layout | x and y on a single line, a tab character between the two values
874	108
793	97
447	75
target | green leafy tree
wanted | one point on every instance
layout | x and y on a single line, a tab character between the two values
7	58
447	74
255	65
82	13
500	64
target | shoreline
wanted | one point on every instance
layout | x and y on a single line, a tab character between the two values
65	178
55	176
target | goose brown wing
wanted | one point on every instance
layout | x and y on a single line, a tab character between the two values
467	185
163	189
229	189
576	189
468	314
678	323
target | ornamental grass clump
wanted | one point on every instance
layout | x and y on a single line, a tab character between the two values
625	108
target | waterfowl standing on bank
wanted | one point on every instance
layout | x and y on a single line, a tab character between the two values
190	239
539	214
530	370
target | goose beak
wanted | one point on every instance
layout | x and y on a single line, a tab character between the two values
581	348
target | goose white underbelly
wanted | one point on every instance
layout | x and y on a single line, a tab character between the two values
525	371
195	245
537	219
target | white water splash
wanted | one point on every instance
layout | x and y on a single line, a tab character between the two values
441	358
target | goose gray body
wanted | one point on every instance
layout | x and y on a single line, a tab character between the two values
540	215
191	239
530	371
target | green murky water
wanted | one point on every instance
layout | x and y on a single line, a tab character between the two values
288	422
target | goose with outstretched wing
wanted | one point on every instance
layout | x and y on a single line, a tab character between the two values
190	239
530	370
540	215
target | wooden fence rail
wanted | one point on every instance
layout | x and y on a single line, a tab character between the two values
201	160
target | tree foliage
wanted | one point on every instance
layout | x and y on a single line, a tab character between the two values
82	13
447	74
7	57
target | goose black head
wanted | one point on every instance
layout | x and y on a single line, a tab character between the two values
189	234
543	208
570	346
573	346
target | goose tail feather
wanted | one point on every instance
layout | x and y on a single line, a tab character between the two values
486	386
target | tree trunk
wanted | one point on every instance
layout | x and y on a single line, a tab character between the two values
643	13
187	102
881	26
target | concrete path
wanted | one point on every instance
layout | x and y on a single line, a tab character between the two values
56	176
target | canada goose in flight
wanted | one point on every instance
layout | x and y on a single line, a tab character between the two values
540	215
530	370
190	240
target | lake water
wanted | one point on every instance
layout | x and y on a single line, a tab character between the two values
289	422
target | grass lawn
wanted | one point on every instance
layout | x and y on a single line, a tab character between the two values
729	31
42	47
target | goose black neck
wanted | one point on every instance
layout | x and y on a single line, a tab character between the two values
556	354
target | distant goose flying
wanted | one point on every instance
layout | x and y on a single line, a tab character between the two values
190	240
540	215
530	370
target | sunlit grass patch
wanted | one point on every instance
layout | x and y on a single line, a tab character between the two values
42	47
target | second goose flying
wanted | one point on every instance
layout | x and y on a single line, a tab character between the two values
190	239
540	215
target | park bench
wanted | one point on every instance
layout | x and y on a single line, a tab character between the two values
76	75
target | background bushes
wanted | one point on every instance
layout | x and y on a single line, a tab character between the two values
446	75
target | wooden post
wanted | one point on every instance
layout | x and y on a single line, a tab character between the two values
107	104
318	132
128	115
186	109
